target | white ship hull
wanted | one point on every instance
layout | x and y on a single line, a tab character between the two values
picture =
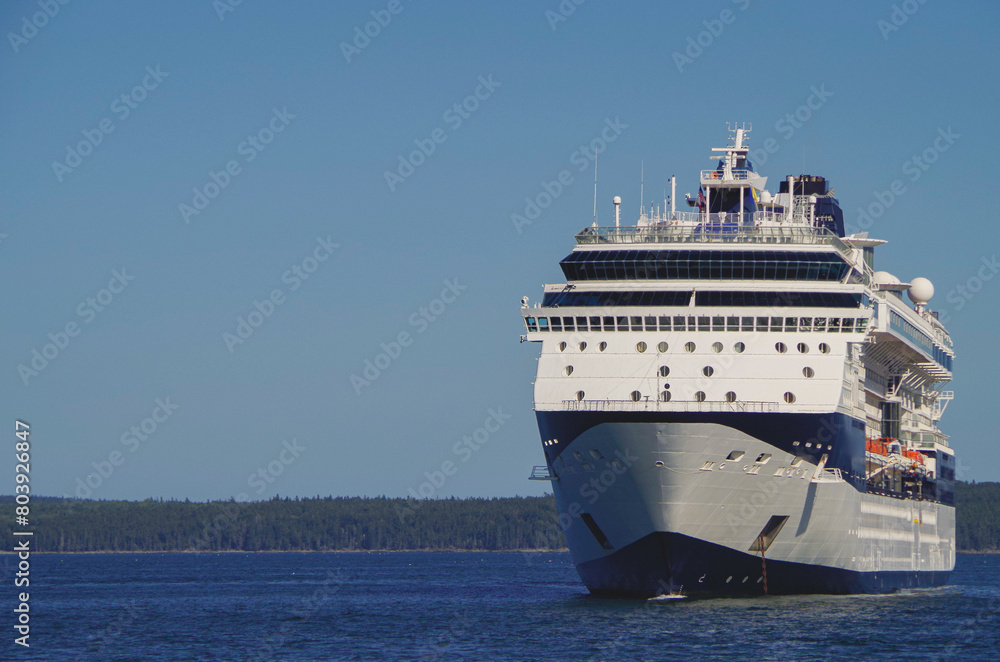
673	527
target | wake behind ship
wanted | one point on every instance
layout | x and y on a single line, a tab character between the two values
732	400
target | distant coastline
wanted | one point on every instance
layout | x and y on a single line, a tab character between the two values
361	524
329	551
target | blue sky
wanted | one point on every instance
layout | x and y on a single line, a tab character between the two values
101	244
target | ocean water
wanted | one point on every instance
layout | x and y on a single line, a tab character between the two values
465	606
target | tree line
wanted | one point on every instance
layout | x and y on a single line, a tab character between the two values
287	524
358	524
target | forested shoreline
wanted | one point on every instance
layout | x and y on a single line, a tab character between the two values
359	524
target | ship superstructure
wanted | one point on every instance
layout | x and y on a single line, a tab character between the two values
732	399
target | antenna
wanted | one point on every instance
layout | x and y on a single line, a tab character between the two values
595	189
642	182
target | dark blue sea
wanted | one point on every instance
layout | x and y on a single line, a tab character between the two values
464	606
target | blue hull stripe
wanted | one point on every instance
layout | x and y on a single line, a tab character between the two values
662	563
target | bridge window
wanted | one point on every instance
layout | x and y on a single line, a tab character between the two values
704	264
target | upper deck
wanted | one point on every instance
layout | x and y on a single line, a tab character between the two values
700	228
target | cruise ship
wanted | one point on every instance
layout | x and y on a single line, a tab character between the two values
732	400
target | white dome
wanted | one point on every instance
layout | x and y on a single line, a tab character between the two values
885	278
921	291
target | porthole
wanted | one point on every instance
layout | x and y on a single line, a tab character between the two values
763	458
781	347
583	346
717	347
731	396
664	396
576	454
662	347
824	348
808	372
562	347
596	454
636	396
689	347
568	370
580	395
640	347
803	348
735	455
699	396
708	371
789	397
664	370
739	348
603	346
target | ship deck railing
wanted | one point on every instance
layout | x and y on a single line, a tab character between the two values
740	406
831	475
696	227
542	472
